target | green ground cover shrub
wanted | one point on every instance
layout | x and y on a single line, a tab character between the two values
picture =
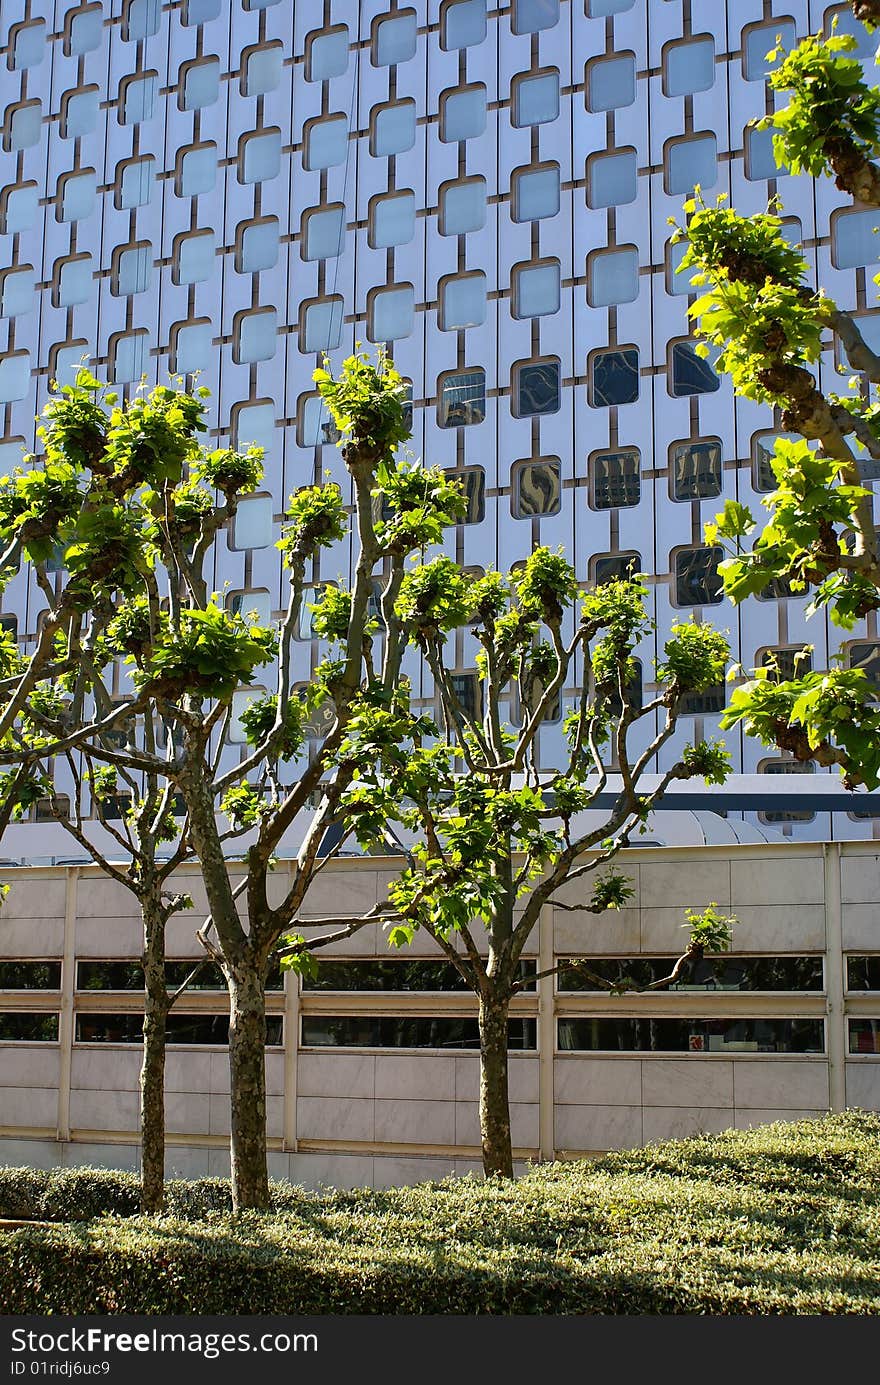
783	1219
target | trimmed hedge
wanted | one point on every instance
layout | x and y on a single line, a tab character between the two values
783	1219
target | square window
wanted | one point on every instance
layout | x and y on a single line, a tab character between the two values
261	70
256	245
848	24
613	377
535	98
130	354
473	483
463	113
23	125
855	240
392	219
323	232
690	160
76	195
83	30
79	112
462	301
866	656
689	67
199	84
320	324
529	16
462	206
252	525
536	388
611	82
196	170
27	45
73	281
192	346
15	376
255	335
254	606
134	182
391	313
759	158
615	479
601	9
200	11
760	39
393	128
314	427
140	19
254	424
327	54
688	373
19	208
325	142
616	567
394	38
697	582
259	156
462	23
16	291
763	452
613	276
537	488
193	257
679	281
611	179
137	98
65	360
535	192
132	269
462	399
787	662
535	289
695	469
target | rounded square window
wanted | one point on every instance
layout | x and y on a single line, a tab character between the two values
255	335
394	38
865	655
760	39
689	66
855	239
846	23
615	479
23	125
530	16
537	488
697	582
193	257
254	423
535	192
130	356
535	98
26	45
689	160
695	469
140	19
132	269
327	53
19	208
196	169
83	29
613	377
199	84
760	162
261	69
391	313
678	280
79	112
689	374
392	128
462	301
473	484
76	195
192	346
320	324
254	606
463	113
613	276
535	288
252	525
611	82
200	11
15	376
73	281
763	452
17	291
323	232
391	219
536	388
603	9
461	398
462	23
462	206
325	142
314	426
137	97
259	156
256	245
615	567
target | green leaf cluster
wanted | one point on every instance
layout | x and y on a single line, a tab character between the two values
367	402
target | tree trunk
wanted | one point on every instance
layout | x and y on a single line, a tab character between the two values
494	1103
153	1068
247	1079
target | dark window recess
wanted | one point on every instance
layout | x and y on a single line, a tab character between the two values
695	468
462	399
867	658
181	1029
863	973
406	1031
777	589
9	623
30	976
129	976
703	704
394	976
616	567
645	1035
691	374
30	1028
696	576
614	378
467	690
711	974
537	389
473	483
787	663
615	479
864	1036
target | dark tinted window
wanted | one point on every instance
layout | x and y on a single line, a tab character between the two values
536	389
614	378
615	479
695	469
406	1031
30	976
644	1035
725	973
696	576
691	374
462	399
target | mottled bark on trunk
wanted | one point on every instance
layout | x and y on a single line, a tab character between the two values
247	1077
494	1103
153	1067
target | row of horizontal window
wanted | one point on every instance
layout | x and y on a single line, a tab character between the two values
729	972
585	1034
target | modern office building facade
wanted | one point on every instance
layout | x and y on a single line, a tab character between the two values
233	187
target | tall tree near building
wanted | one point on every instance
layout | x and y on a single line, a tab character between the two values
772	329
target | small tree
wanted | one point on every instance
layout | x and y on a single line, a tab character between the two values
771	329
496	836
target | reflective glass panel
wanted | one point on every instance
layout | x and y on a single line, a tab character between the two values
691	161
614	378
611	83
462	207
463	113
689	66
536	289
535	193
